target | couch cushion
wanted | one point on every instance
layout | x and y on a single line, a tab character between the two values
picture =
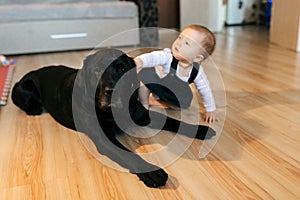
119	9
22	2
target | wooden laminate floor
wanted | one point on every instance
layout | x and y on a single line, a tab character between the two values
256	154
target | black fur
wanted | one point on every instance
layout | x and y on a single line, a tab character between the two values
72	97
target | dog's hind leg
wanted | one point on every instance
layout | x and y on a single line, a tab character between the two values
26	96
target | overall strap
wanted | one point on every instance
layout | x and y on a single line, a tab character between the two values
194	73
174	63
194	70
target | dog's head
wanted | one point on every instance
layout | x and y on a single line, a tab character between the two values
102	71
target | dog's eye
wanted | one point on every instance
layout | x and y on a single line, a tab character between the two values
123	69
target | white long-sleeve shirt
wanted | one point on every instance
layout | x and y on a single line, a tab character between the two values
164	58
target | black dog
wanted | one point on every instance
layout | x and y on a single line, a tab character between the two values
86	98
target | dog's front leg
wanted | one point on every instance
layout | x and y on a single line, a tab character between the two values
151	175
190	130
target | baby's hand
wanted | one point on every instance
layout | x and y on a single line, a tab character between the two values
209	117
138	63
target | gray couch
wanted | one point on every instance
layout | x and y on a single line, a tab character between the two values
34	26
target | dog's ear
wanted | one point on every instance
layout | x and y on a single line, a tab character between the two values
127	61
132	63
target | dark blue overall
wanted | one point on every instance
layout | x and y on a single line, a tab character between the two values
170	89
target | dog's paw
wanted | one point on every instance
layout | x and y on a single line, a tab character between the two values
205	133
154	179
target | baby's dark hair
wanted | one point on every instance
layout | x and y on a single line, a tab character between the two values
209	41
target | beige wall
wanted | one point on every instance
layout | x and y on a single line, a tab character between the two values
205	12
285	24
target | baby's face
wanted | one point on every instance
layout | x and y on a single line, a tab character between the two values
186	48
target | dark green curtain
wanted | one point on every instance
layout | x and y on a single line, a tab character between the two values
148	22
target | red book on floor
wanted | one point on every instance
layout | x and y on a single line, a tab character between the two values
6	73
